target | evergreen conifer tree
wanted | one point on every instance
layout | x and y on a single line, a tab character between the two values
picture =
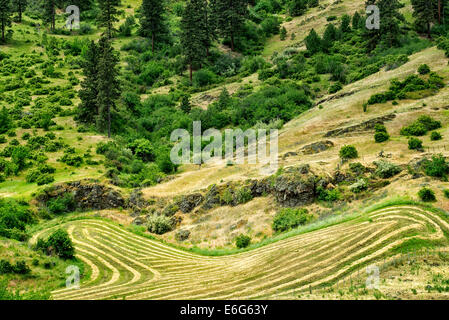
108	84
5	17
152	19
108	15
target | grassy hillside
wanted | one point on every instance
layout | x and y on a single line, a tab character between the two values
132	235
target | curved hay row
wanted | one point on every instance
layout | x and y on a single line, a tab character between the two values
141	268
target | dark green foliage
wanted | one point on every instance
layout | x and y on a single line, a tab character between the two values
426	195
152	21
328	195
390	20
290	218
60	243
242	241
348	152
415	144
6	122
19	268
49	15
143	149
424	69
5	17
435	136
193	24
425	13
14	217
381	134
108	84
421	126
313	42
108	15
87	110
297	7
61	204
438	167
229	17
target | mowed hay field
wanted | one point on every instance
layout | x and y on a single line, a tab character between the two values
124	265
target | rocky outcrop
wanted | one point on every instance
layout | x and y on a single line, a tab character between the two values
190	202
362	127
87	195
182	235
212	198
296	188
317	147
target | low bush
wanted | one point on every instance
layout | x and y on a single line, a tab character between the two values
424	69
242	241
426	195
60	243
348	152
159	224
438	167
290	218
415	144
386	169
421	126
435	136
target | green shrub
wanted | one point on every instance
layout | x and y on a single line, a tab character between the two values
446	193
242	241
60	242
426	195
438	167
415	144
328	195
435	136
424	69
359	186
290	218
386	169
380	137
159	224
62	204
243	195
348	152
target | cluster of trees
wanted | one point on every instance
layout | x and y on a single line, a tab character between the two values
101	87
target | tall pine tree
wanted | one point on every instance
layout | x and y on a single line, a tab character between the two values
229	17
192	35
19	7
152	19
5	17
87	110
108	15
390	20
426	13
50	13
108	84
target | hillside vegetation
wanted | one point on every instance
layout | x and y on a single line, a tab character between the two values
86	177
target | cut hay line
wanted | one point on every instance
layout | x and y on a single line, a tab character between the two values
143	268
